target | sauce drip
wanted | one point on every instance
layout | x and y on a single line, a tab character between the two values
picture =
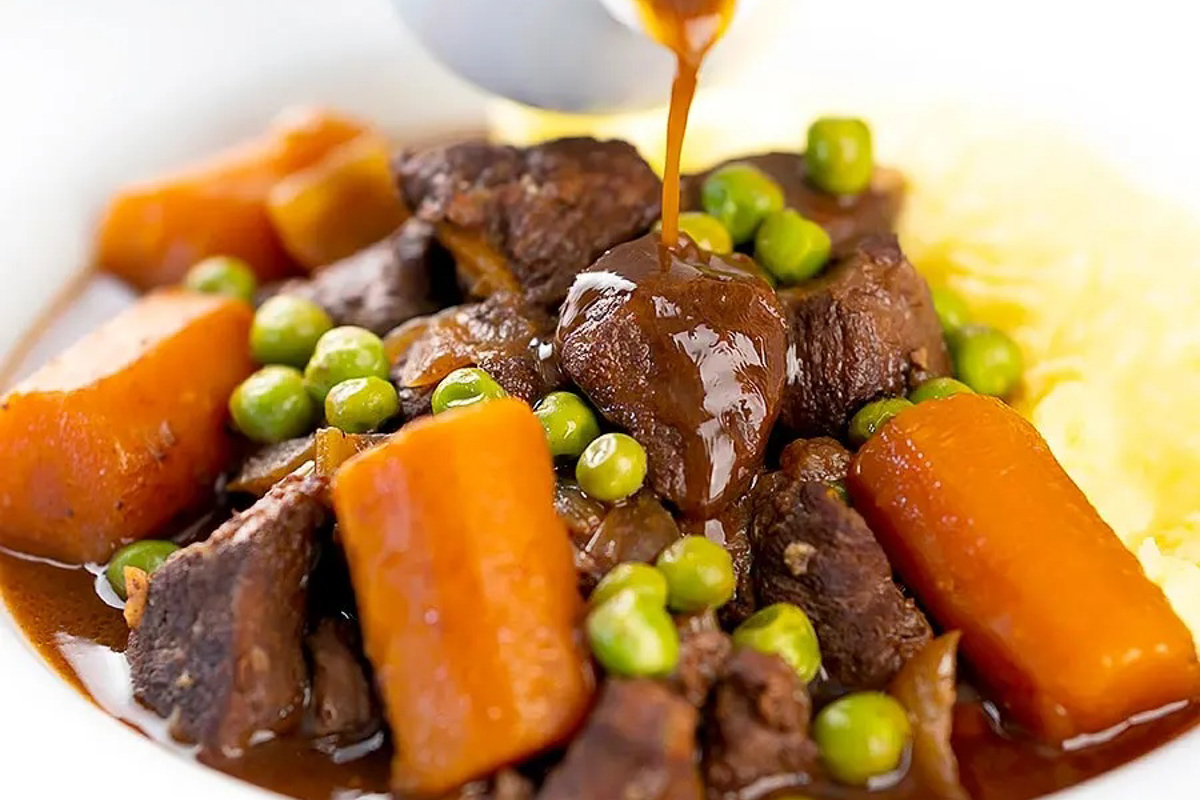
689	28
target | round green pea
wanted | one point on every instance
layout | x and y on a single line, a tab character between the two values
740	196
785	630
706	231
286	329
840	158
633	637
272	405
862	736
612	467
950	307
223	275
464	387
642	579
360	405
986	359
790	247
570	424
343	354
872	417
147	555
937	389
699	574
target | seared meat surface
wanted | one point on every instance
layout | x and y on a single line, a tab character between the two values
343	705
703	651
638	744
545	213
637	529
821	459
814	551
757	725
687	351
865	329
218	649
845	219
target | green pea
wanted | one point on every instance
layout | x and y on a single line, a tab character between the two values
740	196
633	637
342	354
464	387
937	389
272	405
224	275
950	307
147	555
792	248
862	736
986	359
569	422
612	467
785	630
699	574
642	579
839	159
706	231
360	405
286	330
872	417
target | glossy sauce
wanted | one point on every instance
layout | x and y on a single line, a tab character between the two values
689	28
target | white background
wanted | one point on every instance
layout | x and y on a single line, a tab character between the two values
95	92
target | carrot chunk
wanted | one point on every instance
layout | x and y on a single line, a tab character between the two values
466	591
123	431
995	539
152	232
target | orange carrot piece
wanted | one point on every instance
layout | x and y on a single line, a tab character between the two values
995	539
343	203
152	232
123	431
466	591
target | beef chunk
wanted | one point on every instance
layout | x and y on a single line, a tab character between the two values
863	330
703	650
687	351
544	212
638	744
218	650
342	703
757	726
635	530
510	339
845	219
380	287
813	550
821	459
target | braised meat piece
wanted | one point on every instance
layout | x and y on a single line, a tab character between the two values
686	350
821	459
386	284
271	463
845	219
813	550
638	744
343	706
512	340
637	529
863	330
542	213
218	649
703	650
757	726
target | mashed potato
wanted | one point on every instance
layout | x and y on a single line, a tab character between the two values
1098	281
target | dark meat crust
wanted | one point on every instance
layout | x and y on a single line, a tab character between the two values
703	650
845	219
821	459
379	287
638	744
218	649
757	725
814	551
551	209
863	330
343	706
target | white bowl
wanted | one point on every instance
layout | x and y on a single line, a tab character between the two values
96	94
